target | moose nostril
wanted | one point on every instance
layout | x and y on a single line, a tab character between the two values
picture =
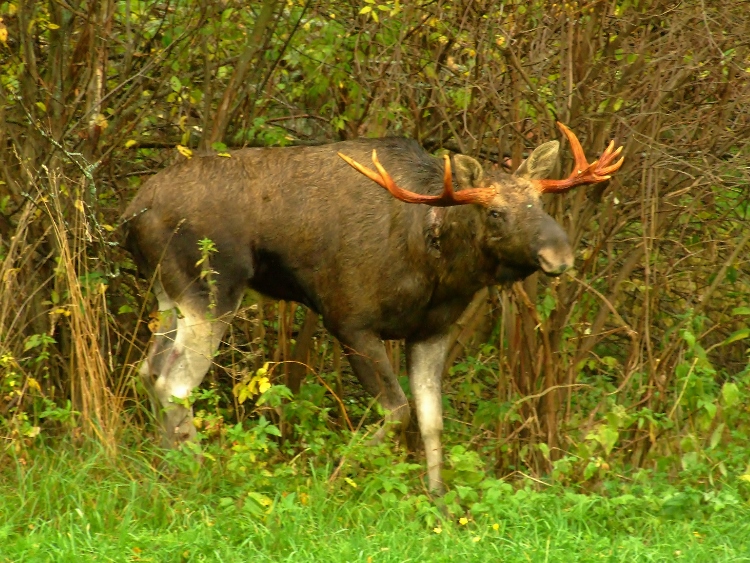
554	261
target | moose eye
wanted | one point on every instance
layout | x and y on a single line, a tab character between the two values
496	213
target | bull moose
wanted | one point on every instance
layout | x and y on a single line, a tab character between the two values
309	224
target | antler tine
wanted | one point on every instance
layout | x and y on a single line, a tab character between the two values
448	198
364	170
448	192
583	173
575	146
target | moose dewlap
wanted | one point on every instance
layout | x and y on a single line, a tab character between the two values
312	225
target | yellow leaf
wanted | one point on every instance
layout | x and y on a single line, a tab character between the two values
437	530
41	106
78	205
130	143
224	154
252	387
3	32
33	384
745	477
237	389
350	482
263	371
51	25
108	228
184	151
263	384
463	521
243	394
101	121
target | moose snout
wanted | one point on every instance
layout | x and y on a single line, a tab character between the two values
553	251
554	260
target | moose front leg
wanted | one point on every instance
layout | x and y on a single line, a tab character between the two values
368	358
424	361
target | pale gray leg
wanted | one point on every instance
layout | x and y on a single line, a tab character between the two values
424	361
181	354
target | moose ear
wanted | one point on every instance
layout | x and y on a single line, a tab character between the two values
469	172
540	163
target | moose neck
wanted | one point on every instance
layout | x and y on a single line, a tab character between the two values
465	268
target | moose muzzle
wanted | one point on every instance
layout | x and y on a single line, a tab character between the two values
554	260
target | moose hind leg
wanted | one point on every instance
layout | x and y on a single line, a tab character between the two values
179	358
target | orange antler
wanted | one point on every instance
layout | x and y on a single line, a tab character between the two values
583	173
447	199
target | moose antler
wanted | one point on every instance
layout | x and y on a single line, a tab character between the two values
448	198
583	173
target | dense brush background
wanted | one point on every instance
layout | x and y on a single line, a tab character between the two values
637	361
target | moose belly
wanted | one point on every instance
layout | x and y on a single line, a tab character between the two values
273	279
418	321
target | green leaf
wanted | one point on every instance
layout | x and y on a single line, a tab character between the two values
682	370
741	311
716	435
710	409
738	335
36	340
175	83
730	393
273	430
608	438
689	337
610	361
544	448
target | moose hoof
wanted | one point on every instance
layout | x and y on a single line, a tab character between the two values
176	434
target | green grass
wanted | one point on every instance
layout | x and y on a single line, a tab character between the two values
68	504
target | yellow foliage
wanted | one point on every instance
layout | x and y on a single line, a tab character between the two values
184	151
